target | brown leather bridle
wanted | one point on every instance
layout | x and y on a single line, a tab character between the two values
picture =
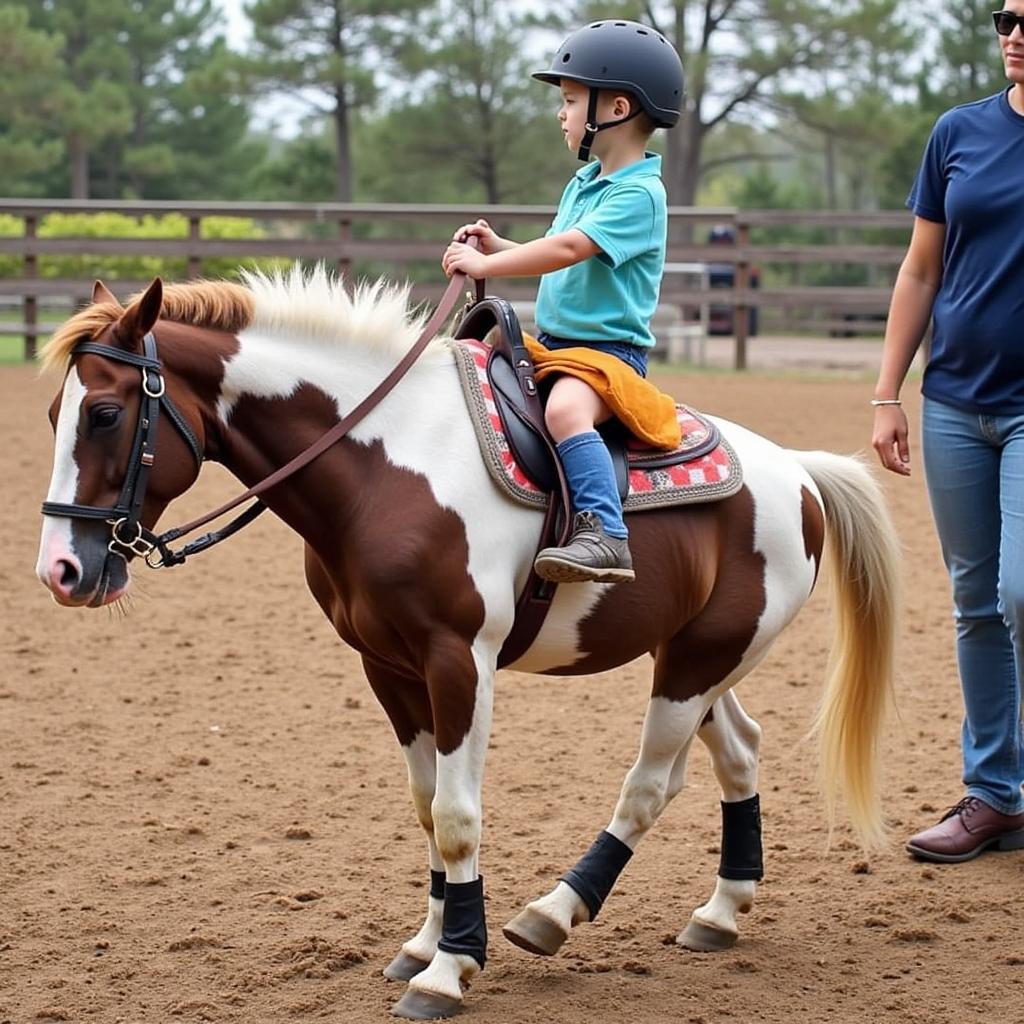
128	535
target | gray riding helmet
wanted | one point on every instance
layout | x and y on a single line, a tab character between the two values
621	55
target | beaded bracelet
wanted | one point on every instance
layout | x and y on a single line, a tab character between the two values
885	401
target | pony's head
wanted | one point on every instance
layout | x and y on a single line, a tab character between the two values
111	479
107	486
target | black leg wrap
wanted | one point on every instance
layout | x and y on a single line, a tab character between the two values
437	884
463	928
741	840
596	871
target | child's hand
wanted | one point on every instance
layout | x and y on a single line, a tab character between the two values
462	257
490	240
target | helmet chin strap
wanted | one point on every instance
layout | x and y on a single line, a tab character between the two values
592	127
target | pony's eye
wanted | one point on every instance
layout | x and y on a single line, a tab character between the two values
104	417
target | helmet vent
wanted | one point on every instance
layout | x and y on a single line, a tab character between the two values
566	57
641	32
620	24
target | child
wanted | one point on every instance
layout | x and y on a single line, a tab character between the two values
601	261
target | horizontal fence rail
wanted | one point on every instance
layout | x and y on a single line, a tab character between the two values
782	269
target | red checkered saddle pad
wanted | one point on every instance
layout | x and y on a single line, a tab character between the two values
710	476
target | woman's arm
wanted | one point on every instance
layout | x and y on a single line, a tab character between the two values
909	312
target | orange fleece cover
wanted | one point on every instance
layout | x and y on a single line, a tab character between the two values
647	413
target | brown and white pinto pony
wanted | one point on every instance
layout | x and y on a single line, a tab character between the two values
417	559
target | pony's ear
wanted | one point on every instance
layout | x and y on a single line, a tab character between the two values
101	293
139	317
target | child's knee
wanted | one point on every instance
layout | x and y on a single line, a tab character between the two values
572	408
561	418
565	421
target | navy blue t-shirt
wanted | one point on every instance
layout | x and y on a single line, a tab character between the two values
972	180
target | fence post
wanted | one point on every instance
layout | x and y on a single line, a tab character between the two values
741	311
345	261
195	261
30	302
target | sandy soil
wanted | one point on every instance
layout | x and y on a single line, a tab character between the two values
205	816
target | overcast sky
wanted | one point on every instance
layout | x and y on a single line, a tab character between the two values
238	23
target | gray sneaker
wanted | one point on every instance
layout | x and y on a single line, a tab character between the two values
589	556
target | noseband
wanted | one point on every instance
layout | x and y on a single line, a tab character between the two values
127	534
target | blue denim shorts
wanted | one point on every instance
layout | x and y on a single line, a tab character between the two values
632	355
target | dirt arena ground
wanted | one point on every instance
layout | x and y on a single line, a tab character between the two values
205	815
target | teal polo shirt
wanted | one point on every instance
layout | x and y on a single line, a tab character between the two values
613	295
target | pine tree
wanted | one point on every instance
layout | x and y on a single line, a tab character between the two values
329	53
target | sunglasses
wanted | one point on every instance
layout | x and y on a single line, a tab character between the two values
1007	21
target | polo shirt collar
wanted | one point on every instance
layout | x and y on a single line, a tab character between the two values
649	166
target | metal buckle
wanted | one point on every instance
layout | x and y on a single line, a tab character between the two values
138	545
154	563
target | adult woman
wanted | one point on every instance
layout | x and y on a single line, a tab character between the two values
963	267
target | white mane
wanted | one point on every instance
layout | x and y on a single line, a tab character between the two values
314	305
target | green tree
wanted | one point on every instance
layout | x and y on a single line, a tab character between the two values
135	100
739	53
29	62
970	66
188	131
967	66
326	52
473	112
90	100
299	170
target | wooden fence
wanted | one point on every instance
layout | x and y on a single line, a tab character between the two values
405	240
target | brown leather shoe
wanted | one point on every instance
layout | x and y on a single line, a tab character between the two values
966	830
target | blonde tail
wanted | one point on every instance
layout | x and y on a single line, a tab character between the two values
864	557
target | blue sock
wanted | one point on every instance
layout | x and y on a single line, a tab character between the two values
591	476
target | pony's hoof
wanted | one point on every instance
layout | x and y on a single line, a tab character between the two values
404	967
535	933
416	1005
703	939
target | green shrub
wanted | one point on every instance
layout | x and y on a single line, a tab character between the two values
119	225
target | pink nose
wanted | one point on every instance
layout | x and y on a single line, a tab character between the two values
63	577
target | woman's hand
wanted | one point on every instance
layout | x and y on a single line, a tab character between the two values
889	439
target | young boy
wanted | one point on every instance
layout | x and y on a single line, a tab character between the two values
601	260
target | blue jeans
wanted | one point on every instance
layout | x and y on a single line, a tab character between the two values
631	355
974	466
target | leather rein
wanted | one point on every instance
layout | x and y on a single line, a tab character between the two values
128	535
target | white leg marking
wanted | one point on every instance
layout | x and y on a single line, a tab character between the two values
423	945
656	777
669	728
732	738
563	905
421	759
457	814
731	896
